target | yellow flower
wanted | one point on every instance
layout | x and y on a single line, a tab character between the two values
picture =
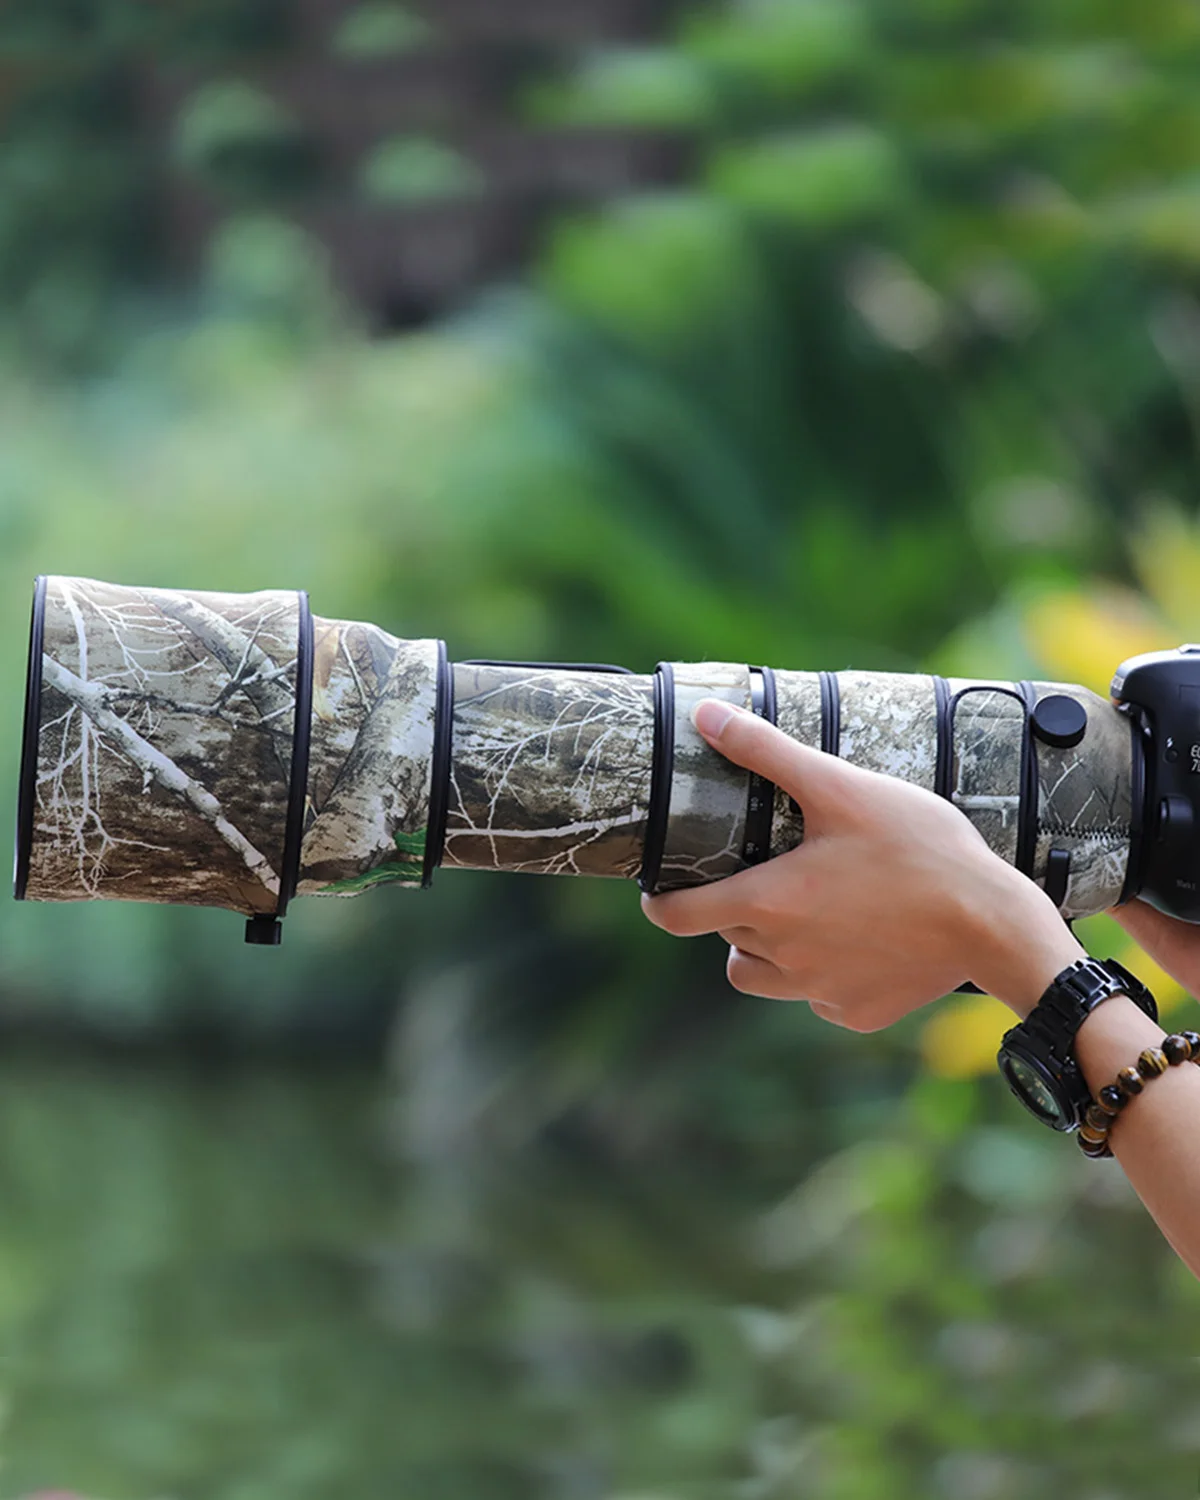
1084	636
962	1037
1165	548
1169	993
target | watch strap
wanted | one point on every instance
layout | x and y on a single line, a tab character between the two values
1075	992
1067	1001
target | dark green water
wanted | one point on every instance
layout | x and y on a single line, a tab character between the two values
230	1287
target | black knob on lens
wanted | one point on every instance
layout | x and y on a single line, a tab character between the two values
1059	720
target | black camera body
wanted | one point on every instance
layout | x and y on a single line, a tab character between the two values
1160	691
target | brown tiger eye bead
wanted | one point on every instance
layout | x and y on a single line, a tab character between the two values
1093	1136
1111	1098
1130	1081
1152	1062
1090	1148
1177	1048
1194	1038
1098	1117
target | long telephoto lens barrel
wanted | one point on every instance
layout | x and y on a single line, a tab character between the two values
235	750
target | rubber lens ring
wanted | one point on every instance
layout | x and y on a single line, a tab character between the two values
661	777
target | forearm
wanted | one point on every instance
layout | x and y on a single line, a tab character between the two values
1155	1136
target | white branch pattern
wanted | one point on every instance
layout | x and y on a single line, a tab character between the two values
93	700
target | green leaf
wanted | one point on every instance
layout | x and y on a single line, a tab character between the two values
410	867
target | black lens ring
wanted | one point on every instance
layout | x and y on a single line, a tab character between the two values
661	777
770	695
1140	768
439	771
31	733
945	743
293	838
1027	814
831	714
760	794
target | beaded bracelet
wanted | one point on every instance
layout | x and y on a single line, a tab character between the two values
1183	1046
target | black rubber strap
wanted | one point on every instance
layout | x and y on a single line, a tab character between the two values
27	782
831	714
770	695
1028	794
1139	740
1058	875
439	783
760	797
944	764
661	776
1027	816
263	929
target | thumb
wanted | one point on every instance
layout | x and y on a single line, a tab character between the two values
820	783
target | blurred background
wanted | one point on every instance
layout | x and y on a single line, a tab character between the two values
824	333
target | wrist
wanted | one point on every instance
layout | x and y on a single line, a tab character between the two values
1022	941
1111	1038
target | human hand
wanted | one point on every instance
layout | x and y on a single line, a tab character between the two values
892	900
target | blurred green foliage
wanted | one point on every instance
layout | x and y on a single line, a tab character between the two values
919	335
223	1285
409	169
242	142
377	28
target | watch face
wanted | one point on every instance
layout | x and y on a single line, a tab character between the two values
1031	1086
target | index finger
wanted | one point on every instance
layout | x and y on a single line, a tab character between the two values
823	784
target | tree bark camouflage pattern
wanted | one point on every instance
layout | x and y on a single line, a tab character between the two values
706	816
371	759
550	771
165	735
165	744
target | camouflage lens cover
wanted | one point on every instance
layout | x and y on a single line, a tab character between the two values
162	724
706	814
162	750
550	770
164	742
370	770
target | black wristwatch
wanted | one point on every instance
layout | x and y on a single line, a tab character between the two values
1037	1056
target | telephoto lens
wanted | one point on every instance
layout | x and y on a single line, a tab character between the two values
235	750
